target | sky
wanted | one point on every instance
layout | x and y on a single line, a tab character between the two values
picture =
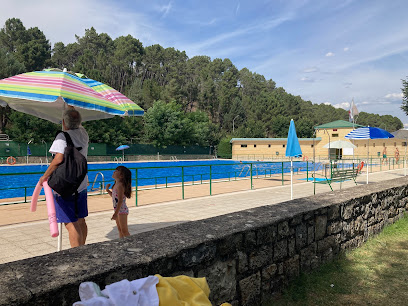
322	50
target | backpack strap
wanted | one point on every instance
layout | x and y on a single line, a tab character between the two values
68	140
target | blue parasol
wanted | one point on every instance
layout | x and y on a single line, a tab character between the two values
368	133
122	148
292	150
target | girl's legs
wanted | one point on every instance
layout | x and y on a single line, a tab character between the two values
124	231
119	227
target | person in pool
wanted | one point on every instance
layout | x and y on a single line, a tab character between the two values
384	155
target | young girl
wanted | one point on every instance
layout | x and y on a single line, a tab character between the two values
121	190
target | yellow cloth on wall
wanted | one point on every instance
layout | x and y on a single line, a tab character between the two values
183	290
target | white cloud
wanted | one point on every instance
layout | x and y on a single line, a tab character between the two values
310	70
307	79
327	103
394	96
62	20
406	126
165	9
344	105
237	9
346	49
329	54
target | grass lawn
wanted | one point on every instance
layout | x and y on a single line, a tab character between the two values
375	274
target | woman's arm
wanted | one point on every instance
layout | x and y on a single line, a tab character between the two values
107	189
58	159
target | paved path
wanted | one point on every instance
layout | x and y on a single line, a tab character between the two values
29	239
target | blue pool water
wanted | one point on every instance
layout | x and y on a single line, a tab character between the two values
13	185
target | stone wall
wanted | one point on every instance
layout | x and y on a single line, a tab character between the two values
246	256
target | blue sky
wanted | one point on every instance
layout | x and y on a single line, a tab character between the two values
324	51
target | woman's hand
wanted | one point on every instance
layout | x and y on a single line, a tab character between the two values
115	216
107	187
42	179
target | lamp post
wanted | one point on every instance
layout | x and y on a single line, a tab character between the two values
233	123
30	141
329	143
46	154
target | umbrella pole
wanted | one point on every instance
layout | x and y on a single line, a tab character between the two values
59	244
368	156
291	178
59	247
405	159
123	155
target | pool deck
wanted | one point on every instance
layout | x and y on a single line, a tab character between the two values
24	234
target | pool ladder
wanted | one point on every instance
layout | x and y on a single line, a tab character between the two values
173	157
103	182
117	159
249	169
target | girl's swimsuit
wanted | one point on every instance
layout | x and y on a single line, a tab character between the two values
124	210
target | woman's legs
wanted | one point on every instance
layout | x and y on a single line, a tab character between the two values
122	222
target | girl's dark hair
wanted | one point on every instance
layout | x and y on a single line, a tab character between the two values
126	180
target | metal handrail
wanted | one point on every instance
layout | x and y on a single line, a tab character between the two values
103	181
183	176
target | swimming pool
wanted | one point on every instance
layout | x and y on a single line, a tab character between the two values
18	181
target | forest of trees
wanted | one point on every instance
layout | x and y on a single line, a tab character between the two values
187	101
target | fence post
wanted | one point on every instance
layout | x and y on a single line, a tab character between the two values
25	194
282	174
252	186
182	181
136	186
210	180
307	171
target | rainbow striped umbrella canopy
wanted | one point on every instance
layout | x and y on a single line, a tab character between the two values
45	94
112	95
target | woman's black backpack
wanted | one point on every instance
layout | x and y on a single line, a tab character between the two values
71	172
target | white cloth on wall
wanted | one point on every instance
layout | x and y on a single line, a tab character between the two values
139	292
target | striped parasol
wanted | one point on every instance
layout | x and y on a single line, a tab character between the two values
112	95
368	133
45	94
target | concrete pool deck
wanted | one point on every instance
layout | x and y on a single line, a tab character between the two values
22	237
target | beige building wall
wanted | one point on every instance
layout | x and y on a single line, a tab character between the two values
267	148
274	148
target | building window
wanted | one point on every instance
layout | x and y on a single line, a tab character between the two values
243	146
335	135
395	144
404	144
269	145
283	146
334	130
383	144
365	145
373	144
255	146
356	145
311	146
